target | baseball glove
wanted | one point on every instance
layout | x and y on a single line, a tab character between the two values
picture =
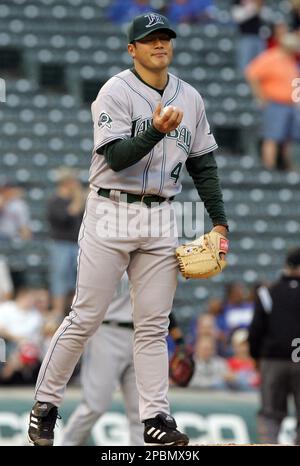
182	366
201	258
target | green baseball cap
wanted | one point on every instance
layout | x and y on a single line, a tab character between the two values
143	25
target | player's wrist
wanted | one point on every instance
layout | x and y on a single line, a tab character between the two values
222	229
156	132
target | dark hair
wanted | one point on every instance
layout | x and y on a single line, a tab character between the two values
293	258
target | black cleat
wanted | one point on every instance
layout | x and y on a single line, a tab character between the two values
41	424
162	430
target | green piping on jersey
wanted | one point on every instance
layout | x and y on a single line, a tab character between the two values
151	154
134	90
163	168
162	175
176	93
146	169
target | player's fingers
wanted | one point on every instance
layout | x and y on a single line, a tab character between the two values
157	111
166	115
175	120
173	116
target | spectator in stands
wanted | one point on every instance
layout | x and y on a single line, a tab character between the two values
242	374
237	310
189	11
64	212
122	11
210	369
14	213
41	299
278	30
6	284
14	224
248	16
271	76
20	327
295	16
205	325
274	337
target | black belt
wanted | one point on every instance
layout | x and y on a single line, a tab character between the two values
114	323
147	199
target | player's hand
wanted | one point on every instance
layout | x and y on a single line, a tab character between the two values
166	121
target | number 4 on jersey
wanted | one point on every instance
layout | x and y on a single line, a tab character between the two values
176	172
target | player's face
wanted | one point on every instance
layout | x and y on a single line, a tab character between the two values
154	52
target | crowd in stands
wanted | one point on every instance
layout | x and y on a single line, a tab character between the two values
29	317
26	324
219	341
178	11
268	52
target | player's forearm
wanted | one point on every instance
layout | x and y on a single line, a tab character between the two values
122	154
204	173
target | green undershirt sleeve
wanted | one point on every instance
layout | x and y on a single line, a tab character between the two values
204	172
122	153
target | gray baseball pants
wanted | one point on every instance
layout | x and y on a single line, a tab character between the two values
107	363
103	258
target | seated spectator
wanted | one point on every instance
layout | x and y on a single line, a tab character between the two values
14	213
271	76
278	31
249	18
41	299
237	310
209	368
242	374
14	224
6	284
189	11
205	325
20	327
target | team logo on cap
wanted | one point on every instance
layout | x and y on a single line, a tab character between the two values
104	120
153	20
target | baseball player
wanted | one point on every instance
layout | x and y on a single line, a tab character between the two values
148	124
106	363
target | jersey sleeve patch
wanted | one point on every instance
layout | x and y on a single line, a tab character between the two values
104	120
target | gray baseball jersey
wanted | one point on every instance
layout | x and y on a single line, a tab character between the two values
123	109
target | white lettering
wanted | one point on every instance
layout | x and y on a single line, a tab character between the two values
296	352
